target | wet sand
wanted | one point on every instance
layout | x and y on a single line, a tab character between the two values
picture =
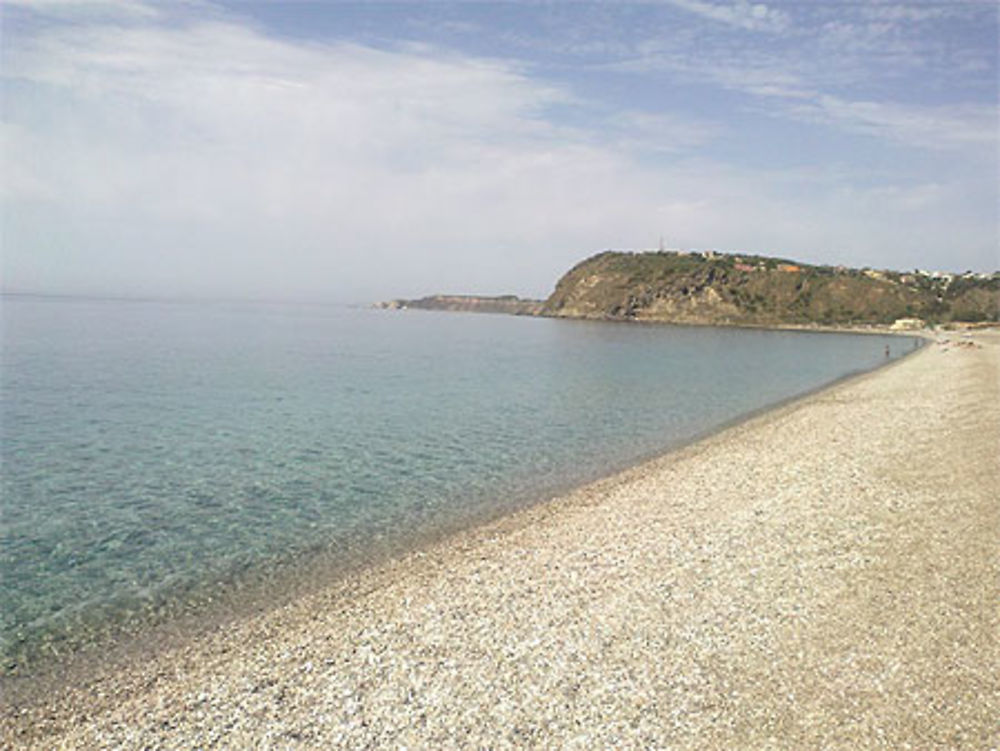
823	575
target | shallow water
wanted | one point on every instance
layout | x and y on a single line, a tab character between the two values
156	453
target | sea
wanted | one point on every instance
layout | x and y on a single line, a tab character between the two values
158	456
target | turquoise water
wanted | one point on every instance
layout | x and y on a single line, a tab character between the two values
156	453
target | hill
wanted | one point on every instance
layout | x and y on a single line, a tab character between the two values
709	288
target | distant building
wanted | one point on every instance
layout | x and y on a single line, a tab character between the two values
789	268
743	267
907	324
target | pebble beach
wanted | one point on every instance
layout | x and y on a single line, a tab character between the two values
823	575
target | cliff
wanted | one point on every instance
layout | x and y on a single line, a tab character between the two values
755	290
509	304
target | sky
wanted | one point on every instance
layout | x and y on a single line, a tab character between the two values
350	152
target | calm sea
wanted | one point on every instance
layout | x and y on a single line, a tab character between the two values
156	454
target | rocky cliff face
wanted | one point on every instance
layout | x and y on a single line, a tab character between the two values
753	290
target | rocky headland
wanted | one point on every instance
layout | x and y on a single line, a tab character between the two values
744	290
510	304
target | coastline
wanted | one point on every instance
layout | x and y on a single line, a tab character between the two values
639	582
294	576
879	329
119	633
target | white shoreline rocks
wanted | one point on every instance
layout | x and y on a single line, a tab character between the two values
822	576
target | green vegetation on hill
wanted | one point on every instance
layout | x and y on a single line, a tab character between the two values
757	290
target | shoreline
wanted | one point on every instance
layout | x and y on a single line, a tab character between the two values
380	607
926	331
304	575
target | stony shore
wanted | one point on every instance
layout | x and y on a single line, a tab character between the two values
821	576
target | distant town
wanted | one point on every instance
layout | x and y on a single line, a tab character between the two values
760	263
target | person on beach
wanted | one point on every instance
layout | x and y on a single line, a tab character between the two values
887	351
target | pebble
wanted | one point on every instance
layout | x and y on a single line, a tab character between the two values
821	576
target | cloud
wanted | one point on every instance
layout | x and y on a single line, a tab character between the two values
899	13
742	14
644	133
86	9
885	70
784	93
211	158
932	127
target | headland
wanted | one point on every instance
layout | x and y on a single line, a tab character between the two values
728	289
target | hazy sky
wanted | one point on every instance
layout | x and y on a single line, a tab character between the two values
358	151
